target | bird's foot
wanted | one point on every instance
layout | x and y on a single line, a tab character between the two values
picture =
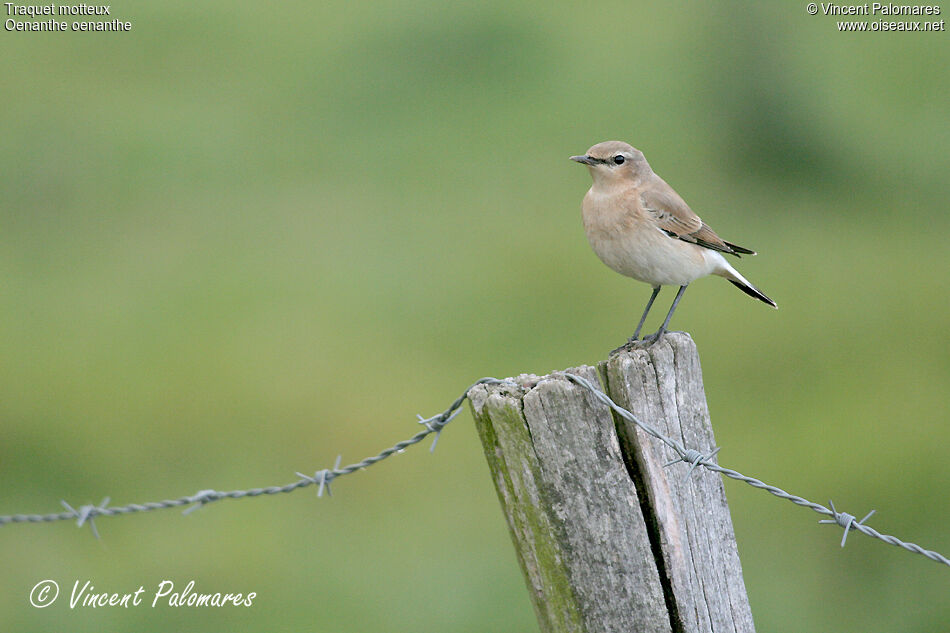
643	343
651	339
655	337
626	347
632	343
647	341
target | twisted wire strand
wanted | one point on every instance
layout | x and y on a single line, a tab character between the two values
434	425
695	458
87	513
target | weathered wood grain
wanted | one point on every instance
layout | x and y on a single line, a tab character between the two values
608	538
572	508
662	385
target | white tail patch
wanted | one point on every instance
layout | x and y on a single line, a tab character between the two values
743	284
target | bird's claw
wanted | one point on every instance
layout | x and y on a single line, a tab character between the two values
651	339
632	343
635	343
626	347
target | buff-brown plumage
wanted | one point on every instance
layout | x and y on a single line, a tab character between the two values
640	227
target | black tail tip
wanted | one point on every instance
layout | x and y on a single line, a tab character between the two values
752	291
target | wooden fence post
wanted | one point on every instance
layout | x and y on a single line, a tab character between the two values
608	539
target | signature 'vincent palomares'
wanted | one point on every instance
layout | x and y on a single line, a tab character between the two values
640	227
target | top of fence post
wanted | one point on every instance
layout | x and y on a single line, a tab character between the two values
589	502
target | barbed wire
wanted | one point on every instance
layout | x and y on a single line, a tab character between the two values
694	458
321	478
434	425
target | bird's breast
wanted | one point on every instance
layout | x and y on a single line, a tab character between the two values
626	239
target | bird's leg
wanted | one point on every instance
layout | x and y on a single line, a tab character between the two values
653	338
646	311
636	335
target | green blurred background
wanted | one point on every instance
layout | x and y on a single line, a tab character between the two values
244	238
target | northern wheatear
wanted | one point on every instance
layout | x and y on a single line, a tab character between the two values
641	228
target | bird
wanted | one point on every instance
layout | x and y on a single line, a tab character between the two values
640	227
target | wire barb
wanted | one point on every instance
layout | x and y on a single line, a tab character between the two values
323	477
845	520
87	513
199	499
694	458
436	423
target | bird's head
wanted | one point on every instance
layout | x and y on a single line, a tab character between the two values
613	162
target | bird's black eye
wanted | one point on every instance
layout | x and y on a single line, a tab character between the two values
618	159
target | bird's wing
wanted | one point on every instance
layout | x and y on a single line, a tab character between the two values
670	212
674	217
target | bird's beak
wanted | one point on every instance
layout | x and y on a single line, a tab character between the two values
587	160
